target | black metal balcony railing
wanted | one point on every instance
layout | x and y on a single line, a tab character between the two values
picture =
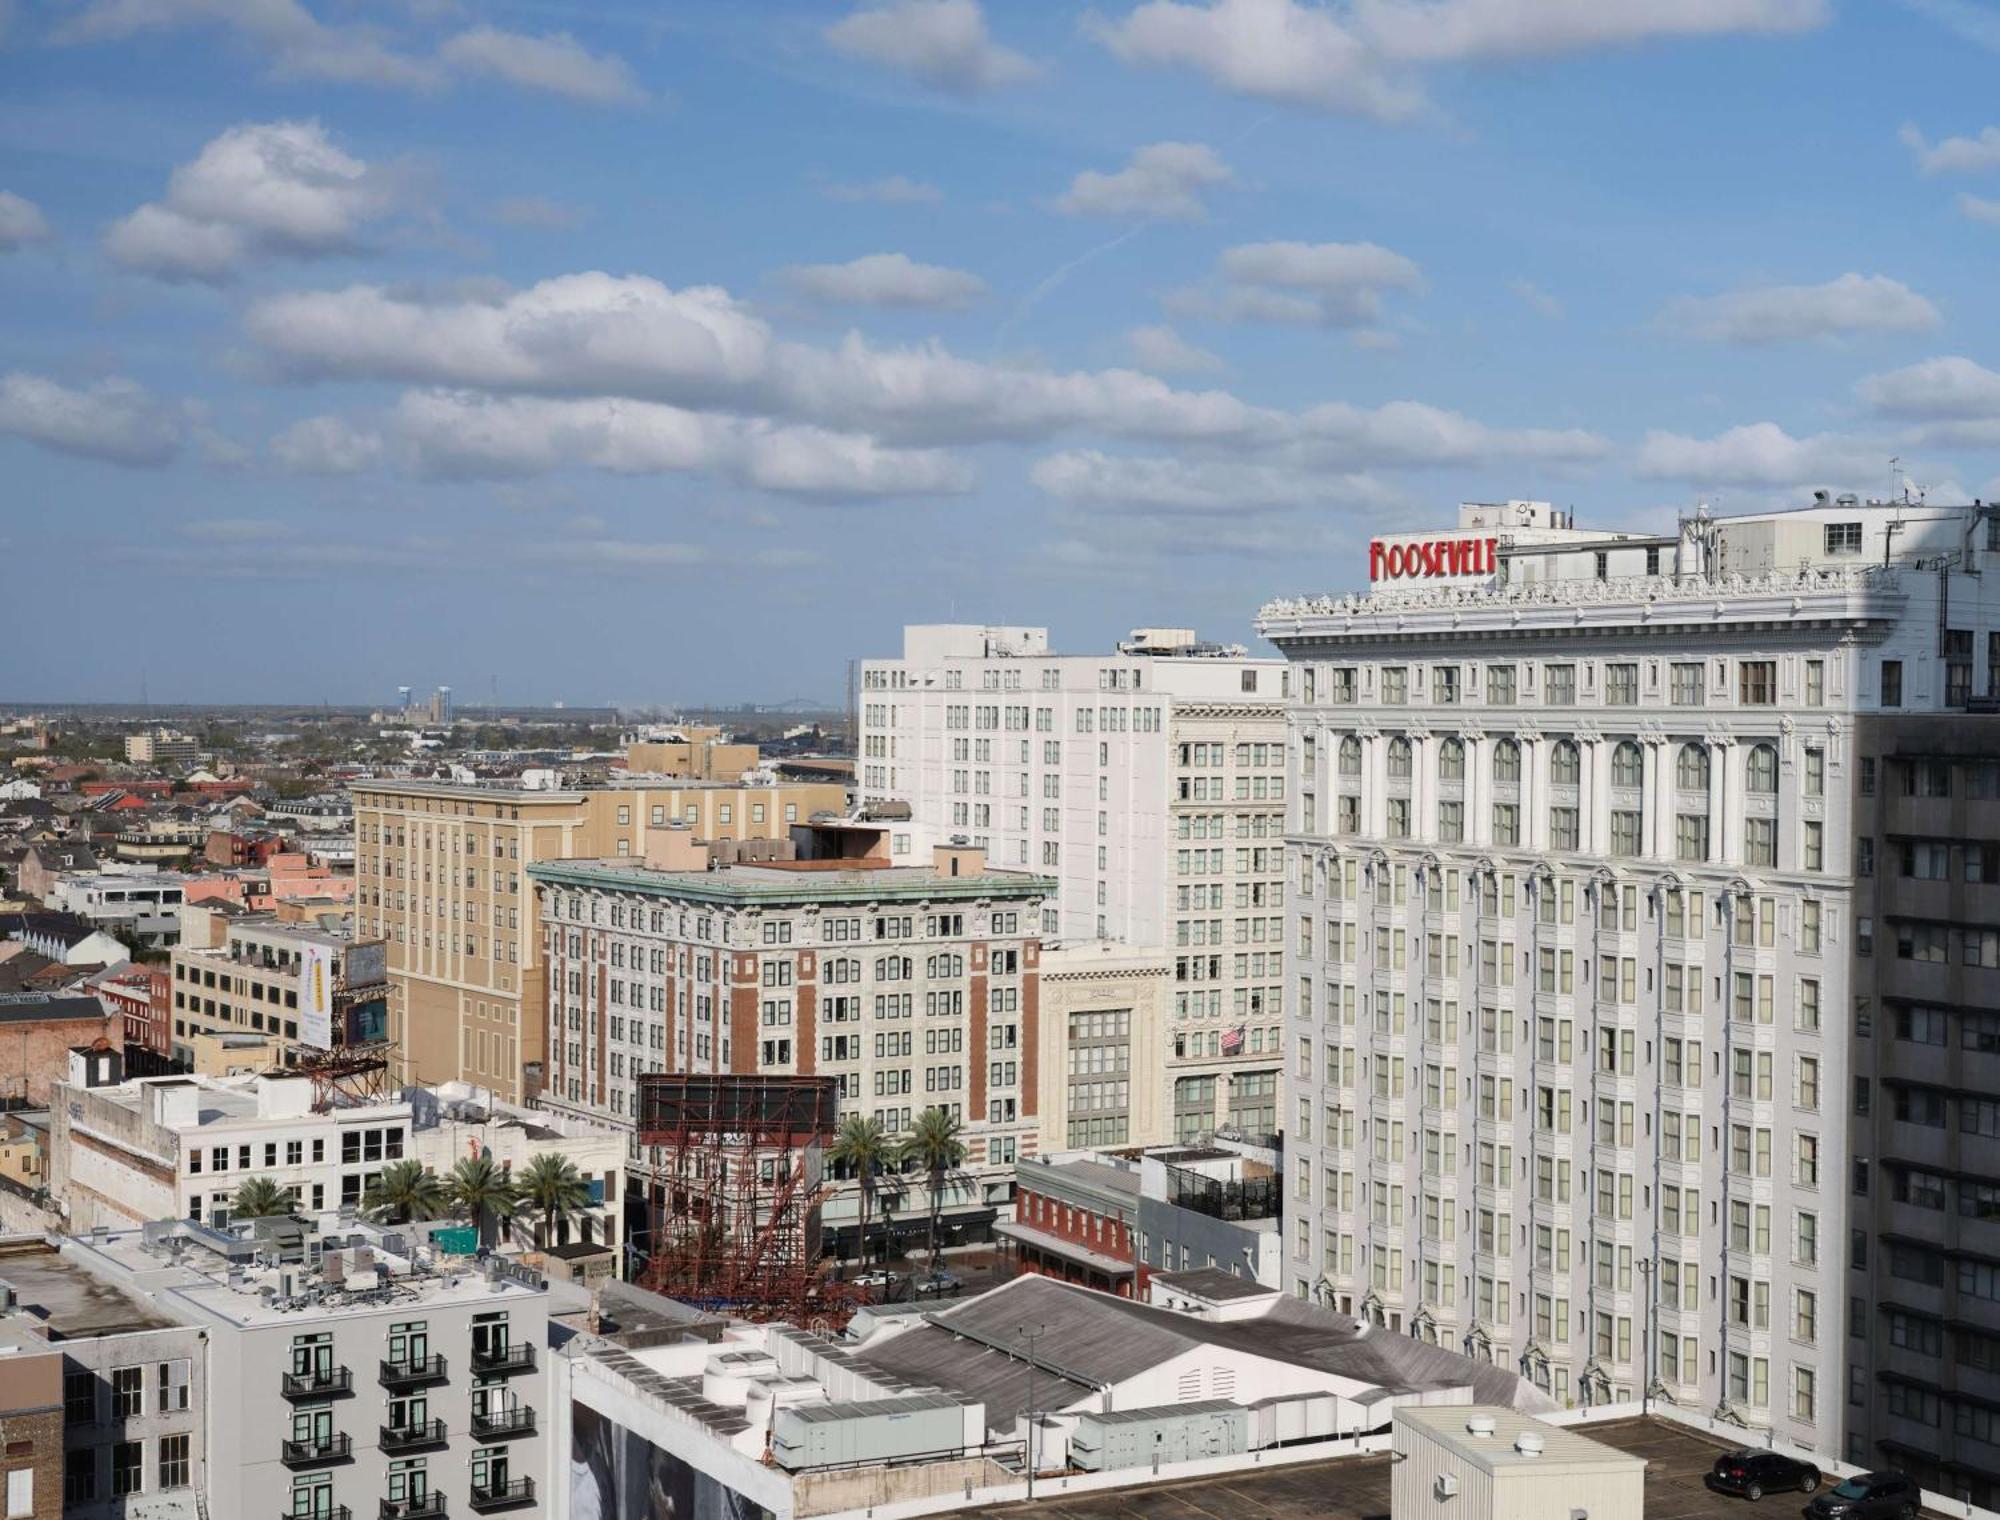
519	1357
325	1512
323	1383
496	1496
504	1424
413	1437
428	1507
412	1370
318	1452
1250	1198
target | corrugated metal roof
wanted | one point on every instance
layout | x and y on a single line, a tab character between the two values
862	1409
1159	1412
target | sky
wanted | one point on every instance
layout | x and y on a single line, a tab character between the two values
652	353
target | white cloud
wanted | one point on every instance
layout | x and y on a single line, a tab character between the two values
1412	433
296	43
1164	181
555	63
1088	477
1359	59
1760	454
326	446
1325	284
461	434
1162	351
1979	208
1951	387
115	420
894	190
887	279
942	42
1852	303
1954	155
277	188
21	222
1535	298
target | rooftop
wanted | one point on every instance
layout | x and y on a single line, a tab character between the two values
743	884
41	1007
68	1302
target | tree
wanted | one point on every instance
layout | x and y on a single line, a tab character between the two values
551	1186
483	1192
934	1145
407	1190
259	1198
863	1145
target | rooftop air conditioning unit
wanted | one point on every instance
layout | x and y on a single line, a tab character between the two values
1447	1485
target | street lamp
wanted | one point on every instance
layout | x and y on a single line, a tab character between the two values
1030	1337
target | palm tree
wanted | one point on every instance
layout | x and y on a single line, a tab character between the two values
552	1186
863	1145
482	1190
259	1198
407	1190
934	1145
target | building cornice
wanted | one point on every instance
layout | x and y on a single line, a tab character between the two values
723	889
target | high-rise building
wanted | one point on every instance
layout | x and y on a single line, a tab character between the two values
1149	782
915	986
1612	1056
440	873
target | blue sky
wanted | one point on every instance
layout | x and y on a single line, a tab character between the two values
654	353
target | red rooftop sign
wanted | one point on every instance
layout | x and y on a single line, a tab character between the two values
1426	559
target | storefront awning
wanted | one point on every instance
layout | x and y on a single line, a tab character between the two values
1055	1245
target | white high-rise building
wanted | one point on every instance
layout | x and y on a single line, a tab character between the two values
1595	1050
1150	782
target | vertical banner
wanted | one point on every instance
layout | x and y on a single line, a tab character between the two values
316	997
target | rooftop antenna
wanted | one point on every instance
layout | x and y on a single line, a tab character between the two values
1896	474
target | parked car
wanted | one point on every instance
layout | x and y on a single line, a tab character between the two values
879	1280
1868	1496
1754	1473
939	1285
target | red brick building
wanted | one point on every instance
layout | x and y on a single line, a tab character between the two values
38	1031
1078	1220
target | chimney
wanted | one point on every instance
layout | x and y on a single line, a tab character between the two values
958	860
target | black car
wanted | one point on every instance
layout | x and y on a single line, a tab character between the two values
1753	1474
1869	1496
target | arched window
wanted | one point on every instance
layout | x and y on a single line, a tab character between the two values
1350	756
1691	770
1506	761
1567	764
1451	761
1761	770
1628	766
1399	759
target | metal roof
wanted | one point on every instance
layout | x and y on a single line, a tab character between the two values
856	1409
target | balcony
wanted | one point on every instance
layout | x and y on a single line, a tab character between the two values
497	1496
333	1512
322	1451
413	1372
504	1360
413	1437
326	1383
504	1424
428	1507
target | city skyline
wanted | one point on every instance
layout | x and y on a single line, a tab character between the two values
1093	318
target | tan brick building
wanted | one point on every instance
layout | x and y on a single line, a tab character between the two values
441	876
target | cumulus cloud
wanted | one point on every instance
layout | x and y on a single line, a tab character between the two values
297	44
115	421
944	43
1950	388
279	188
1760	454
1325	284
555	63
1851	304
1162	351
1954	155
21	222
1091	478
894	190
1361	59
1163	182
886	279
1979	208
326	446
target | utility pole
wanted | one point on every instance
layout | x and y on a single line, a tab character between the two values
1031	1336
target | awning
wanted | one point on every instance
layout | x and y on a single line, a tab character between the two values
1055	1245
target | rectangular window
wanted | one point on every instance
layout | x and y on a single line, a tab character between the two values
1621	685
1892	683
174	1463
1756	683
1688	689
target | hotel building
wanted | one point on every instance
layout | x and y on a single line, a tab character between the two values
1613	1057
1149	782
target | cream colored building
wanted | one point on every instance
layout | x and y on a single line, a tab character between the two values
700	754
441	875
1104	1010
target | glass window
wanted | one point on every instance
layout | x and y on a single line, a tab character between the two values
1567	764
1691	771
1506	762
1628	765
1761	770
1757	682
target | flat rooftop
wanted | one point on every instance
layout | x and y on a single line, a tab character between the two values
1357	1488
70	1303
798	881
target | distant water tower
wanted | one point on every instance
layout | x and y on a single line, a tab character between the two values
402	699
444	704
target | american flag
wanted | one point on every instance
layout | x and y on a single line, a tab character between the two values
1232	1039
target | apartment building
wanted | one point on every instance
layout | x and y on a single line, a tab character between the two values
1581	966
915	986
1104	1014
161	746
440	877
1150	783
350	1370
259	974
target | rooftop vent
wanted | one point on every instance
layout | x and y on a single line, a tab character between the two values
1480	1425
1529	1443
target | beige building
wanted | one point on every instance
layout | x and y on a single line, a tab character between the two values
440	874
700	754
158	747
1100	1082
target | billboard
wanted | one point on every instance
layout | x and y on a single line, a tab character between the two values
365	1022
316	996
617	1474
367	963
